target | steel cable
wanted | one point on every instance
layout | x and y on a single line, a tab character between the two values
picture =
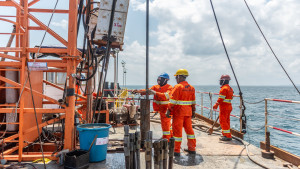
47	28
29	77
246	146
254	102
36	120
271	47
243	108
105	62
255	129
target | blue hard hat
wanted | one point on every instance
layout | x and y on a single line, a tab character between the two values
164	75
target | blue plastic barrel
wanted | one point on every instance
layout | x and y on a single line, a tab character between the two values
87	133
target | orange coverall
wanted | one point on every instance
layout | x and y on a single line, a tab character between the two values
160	104
224	100
182	103
78	91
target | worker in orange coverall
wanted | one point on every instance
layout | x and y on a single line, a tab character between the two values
160	103
224	100
182	107
78	88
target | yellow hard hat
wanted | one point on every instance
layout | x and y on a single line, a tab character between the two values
182	72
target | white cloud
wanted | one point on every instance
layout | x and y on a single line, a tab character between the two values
187	37
63	24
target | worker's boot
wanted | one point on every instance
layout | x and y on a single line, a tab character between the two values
189	151
224	138
176	154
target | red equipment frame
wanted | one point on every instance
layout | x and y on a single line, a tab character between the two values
70	59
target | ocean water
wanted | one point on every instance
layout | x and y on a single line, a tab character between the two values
282	115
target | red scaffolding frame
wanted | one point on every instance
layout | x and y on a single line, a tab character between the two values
70	57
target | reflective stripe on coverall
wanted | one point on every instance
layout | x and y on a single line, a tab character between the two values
182	103
78	91
225	97
160	104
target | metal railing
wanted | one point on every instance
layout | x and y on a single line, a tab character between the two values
267	133
210	94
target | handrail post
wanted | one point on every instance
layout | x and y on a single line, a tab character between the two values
266	121
241	112
211	106
201	104
267	153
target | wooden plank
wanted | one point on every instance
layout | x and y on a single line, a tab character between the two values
289	157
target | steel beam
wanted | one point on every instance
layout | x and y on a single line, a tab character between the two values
50	31
9	57
62	11
31	110
33	2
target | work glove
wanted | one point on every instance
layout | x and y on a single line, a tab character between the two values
193	114
168	114
215	107
152	92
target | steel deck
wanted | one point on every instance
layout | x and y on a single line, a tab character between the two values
211	153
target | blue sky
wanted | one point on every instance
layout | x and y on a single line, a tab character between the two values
183	34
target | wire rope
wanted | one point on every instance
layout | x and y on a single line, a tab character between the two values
270	46
243	108
36	120
47	27
254	102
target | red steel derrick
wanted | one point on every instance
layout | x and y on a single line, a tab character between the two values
70	57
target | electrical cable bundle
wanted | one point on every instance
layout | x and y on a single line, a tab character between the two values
90	52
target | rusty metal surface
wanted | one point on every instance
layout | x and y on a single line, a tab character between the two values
283	154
